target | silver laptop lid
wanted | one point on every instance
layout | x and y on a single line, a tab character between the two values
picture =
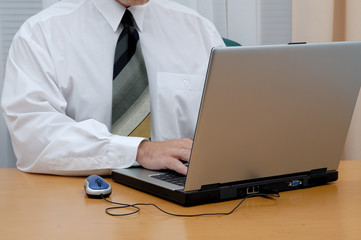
274	110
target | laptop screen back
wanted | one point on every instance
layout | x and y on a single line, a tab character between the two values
274	110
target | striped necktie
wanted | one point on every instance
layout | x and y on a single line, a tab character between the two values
131	101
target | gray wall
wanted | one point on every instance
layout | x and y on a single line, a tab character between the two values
7	157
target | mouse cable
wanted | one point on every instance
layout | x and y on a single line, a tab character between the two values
136	207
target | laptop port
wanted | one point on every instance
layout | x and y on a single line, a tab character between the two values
252	190
295	183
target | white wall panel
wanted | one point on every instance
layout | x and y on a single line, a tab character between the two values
243	23
275	21
220	16
249	22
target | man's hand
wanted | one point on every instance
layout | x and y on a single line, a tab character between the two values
165	155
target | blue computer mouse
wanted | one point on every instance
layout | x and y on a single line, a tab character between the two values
96	187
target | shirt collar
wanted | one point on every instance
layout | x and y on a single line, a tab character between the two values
113	12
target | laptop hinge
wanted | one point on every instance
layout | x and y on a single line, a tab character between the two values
318	172
210	186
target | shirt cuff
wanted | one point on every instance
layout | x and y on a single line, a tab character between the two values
123	150
136	164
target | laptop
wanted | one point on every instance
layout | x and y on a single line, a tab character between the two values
272	118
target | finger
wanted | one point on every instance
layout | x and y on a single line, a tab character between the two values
182	149
184	155
185	143
178	166
188	143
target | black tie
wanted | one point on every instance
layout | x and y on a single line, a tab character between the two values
131	104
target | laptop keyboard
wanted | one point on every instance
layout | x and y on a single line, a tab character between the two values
171	177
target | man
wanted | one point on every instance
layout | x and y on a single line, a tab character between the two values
57	96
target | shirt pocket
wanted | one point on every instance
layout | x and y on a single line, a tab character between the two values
178	101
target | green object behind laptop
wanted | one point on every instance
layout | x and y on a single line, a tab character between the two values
230	43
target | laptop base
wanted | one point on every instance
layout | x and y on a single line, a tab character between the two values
236	190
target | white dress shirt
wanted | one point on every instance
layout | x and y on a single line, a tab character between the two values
57	95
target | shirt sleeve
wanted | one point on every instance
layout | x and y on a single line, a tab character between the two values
45	139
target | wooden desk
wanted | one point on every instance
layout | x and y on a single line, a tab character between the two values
51	207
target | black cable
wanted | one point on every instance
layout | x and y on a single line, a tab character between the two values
122	205
137	208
